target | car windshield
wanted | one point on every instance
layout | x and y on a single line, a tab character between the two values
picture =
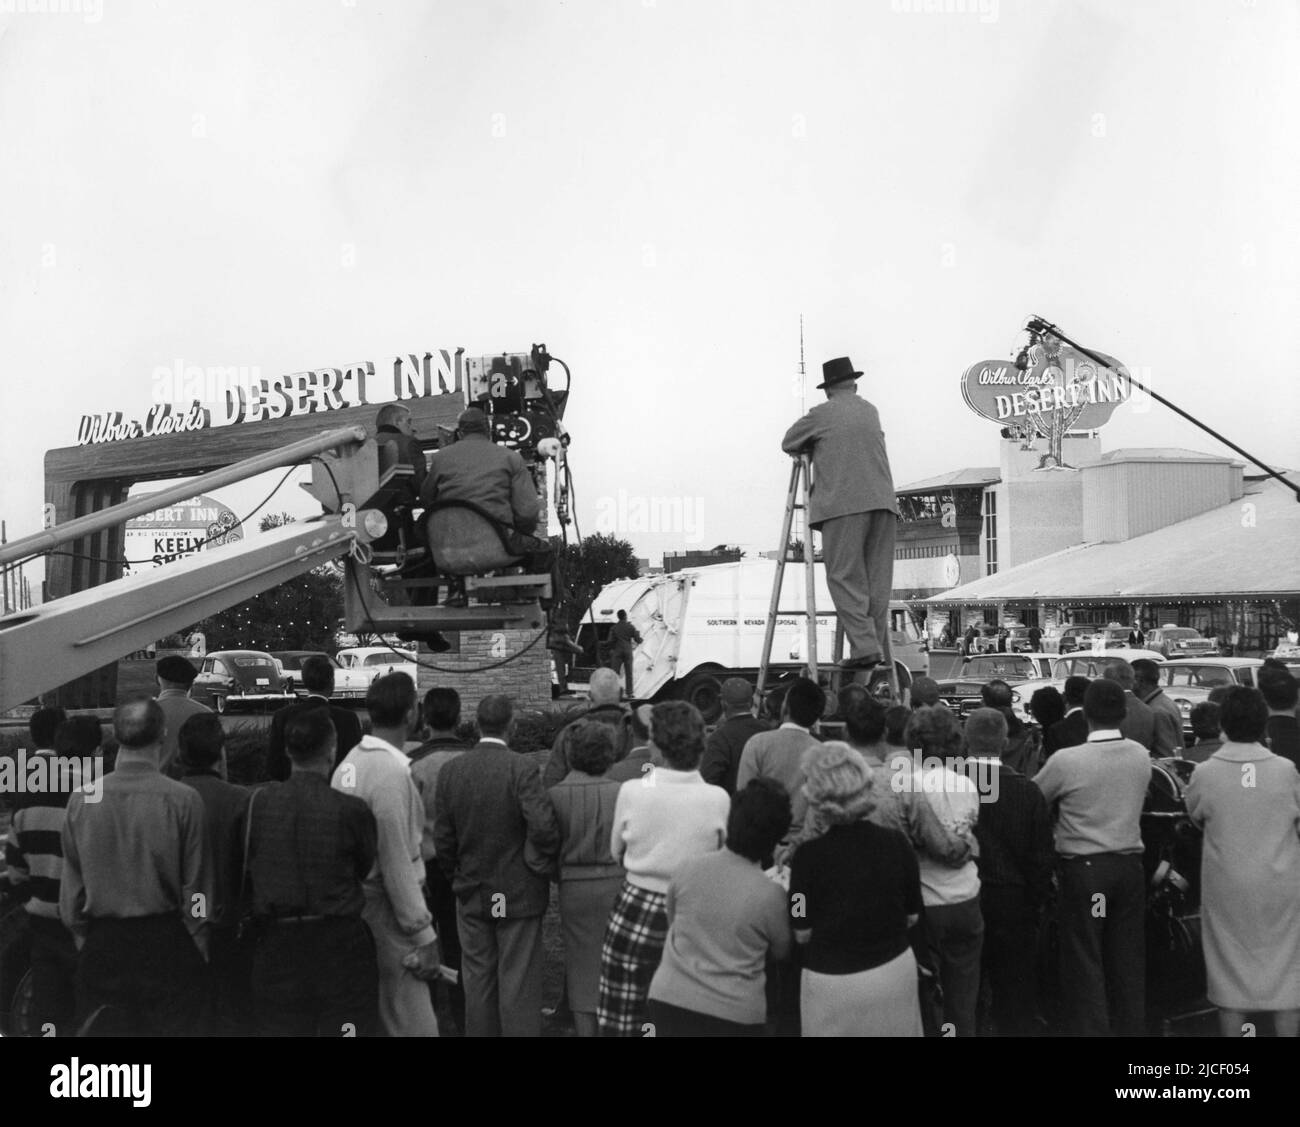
1005	666
1080	667
291	661
387	658
1179	635
1207	675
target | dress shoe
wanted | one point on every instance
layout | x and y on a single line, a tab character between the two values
868	662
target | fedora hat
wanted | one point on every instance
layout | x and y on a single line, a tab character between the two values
838	371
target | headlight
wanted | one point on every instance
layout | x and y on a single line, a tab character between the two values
1184	706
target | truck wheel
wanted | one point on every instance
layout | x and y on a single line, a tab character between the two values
704	691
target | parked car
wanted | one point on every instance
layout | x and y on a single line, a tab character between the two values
987	642
1189	681
1090	663
348	683
962	693
1180	641
234	678
1068	639
375	661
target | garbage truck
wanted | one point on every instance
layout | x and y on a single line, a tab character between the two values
701	625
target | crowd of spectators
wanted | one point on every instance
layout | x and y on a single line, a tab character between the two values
850	869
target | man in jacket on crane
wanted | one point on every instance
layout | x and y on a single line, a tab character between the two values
496	480
853	505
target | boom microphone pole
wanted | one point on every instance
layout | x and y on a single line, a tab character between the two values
1038	325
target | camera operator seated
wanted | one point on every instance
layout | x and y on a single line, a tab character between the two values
400	456
475	471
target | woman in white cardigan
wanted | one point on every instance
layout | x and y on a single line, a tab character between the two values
665	817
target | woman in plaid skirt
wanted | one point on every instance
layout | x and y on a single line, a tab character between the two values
661	819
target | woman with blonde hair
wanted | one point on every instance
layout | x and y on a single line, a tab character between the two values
855	889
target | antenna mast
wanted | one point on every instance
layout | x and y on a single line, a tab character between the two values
803	375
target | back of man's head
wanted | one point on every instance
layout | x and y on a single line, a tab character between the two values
442	709
737	696
925	692
622	616
1205	721
639	721
200	740
864	719
1120	673
318	675
138	724
996	694
42	726
804	702
1104	703
390	699
1279	688
310	738
495	712
79	736
1073	690
1146	673
473	420
896	718
985	735
604	687
390	414
1244	715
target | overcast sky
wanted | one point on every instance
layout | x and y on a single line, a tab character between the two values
656	189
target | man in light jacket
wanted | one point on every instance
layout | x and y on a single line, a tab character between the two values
853	505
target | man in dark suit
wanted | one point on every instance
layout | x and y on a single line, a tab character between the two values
854	507
722	751
1072	730
496	838
318	680
1139	723
1015	867
1283	731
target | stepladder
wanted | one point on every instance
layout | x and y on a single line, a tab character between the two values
881	681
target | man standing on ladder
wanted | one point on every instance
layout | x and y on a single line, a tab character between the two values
853	505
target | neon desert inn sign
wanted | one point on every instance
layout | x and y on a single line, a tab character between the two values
192	398
1065	387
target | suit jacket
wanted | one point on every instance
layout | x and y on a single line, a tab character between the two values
495	832
1070	732
721	760
778	755
615	715
495	479
1168	725
850	464
1139	722
346	725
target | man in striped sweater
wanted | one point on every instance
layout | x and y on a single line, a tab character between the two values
34	856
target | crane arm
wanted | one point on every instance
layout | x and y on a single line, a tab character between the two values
66	638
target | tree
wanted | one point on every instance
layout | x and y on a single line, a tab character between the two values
300	614
586	567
